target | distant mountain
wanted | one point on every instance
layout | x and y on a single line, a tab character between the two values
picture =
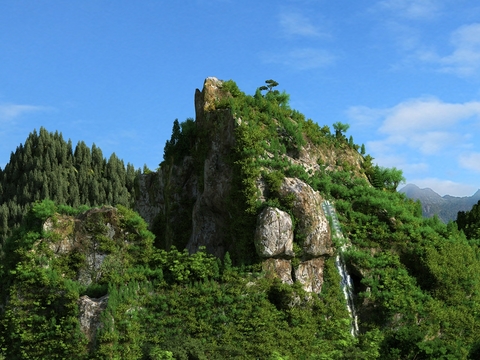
446	207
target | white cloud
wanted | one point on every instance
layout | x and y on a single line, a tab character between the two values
432	142
301	59
412	9
465	59
470	161
420	131
427	124
10	112
364	116
427	114
294	23
444	187
427	143
419	167
390	160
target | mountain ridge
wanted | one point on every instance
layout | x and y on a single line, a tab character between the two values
445	207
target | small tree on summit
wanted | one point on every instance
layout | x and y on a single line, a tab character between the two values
340	128
282	98
270	85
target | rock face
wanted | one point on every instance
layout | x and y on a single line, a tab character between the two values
274	234
210	213
202	190
310	274
187	200
312	222
89	317
96	246
280	268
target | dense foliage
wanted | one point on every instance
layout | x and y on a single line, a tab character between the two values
469	222
47	167
162	304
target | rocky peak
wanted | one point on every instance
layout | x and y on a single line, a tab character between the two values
206	99
190	200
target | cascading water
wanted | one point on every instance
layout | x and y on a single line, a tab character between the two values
346	283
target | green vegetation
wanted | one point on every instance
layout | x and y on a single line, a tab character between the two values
47	167
417	281
160	303
469	222
399	260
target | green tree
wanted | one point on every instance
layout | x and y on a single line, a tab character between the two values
386	178
469	222
45	167
350	141
340	129
270	85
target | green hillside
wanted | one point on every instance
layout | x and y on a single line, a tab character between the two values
97	282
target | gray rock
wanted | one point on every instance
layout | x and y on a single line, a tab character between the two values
312	223
274	233
90	310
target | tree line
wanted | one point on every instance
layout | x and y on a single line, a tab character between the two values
48	167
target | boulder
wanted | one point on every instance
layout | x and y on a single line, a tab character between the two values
312	223
274	234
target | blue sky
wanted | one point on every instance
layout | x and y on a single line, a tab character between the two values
405	74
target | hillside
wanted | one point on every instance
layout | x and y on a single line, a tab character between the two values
445	207
241	260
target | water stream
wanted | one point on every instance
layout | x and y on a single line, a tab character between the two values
346	283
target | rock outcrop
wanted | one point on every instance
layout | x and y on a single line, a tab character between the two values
280	268
274	234
312	222
90	310
187	200
84	234
310	274
97	247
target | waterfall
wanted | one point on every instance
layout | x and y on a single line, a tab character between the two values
346	283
